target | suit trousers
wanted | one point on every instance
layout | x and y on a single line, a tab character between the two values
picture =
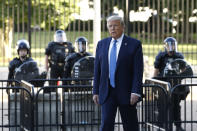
128	113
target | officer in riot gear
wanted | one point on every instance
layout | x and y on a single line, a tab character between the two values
56	53
178	67
164	58
81	47
163	61
83	68
16	70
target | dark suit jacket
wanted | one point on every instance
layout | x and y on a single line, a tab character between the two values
129	70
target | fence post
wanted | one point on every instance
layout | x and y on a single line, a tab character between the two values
29	25
48	111
14	111
79	111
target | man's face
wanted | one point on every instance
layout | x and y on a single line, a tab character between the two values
170	47
115	29
22	53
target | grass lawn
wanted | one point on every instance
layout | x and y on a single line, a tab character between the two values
188	50
41	39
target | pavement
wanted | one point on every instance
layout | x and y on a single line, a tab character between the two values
3	73
188	106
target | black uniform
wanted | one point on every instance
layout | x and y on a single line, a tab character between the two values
162	59
70	61
14	64
57	53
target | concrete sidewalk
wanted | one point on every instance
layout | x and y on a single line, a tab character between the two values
3	73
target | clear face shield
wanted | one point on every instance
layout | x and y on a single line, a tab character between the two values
23	53
60	37
171	47
81	46
22	48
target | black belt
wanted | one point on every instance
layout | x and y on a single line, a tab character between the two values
56	63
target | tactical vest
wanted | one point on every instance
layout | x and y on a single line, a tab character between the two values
58	53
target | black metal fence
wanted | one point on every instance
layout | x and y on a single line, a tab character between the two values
150	21
70	107
170	106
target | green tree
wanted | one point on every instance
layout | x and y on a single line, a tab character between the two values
57	13
46	14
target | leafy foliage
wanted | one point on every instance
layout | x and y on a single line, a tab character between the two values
46	14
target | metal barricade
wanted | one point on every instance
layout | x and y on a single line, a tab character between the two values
188	106
179	94
47	110
155	105
15	110
26	106
70	107
79	111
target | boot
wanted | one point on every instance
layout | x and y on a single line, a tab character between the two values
179	128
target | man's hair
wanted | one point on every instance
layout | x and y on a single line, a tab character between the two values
116	17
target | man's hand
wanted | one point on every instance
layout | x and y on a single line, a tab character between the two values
134	99
96	99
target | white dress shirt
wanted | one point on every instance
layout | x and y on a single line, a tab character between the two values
118	44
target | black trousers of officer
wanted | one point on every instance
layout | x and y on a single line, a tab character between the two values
176	109
56	72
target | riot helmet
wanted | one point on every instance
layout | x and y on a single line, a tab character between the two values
170	45
60	36
22	44
81	44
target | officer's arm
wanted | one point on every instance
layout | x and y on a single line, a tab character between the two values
46	63
157	64
10	74
48	54
67	68
11	69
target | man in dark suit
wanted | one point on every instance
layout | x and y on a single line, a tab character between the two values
118	76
